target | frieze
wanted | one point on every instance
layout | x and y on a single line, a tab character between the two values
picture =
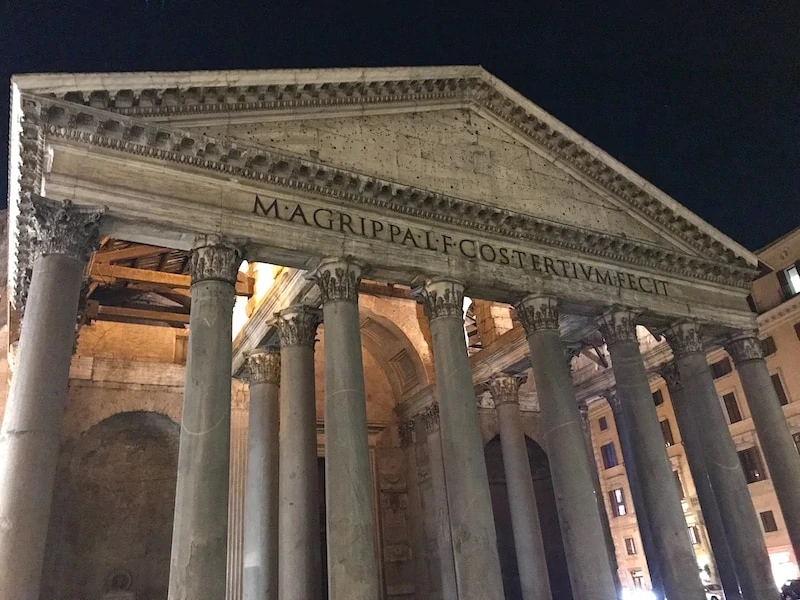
264	366
442	298
215	263
684	338
537	313
338	279
745	346
97	127
297	325
471	90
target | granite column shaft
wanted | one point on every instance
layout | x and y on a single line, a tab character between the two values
352	568
584	543
200	528
299	539
31	433
477	563
260	569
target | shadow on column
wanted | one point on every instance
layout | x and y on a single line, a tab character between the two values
548	518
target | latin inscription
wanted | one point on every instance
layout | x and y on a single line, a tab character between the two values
342	222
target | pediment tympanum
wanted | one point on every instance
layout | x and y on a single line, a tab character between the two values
400	166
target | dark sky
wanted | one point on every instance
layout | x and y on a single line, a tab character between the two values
701	98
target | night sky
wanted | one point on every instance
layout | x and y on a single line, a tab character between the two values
702	99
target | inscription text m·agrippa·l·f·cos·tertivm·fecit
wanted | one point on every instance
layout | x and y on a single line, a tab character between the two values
376	229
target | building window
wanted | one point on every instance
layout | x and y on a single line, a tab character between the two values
768	521
797	330
617	499
681	493
796	438
790	281
630	546
750	459
694	535
609	453
658	398
602	422
732	407
666	431
768	346
720	368
776	383
638	579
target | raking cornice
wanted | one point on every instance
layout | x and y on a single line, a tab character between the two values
47	118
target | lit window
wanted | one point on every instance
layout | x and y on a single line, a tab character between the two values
630	546
790	281
609	453
768	521
638	579
617	498
732	408
781	393
750	459
694	535
666	431
602	422
720	368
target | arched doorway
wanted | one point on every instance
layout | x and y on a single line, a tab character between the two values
548	518
113	510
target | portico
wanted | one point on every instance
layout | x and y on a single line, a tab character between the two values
341	177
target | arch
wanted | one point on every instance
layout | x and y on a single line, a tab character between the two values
121	472
548	519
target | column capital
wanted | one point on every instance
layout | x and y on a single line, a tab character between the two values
63	228
537	313
442	297
619	326
684	338
338	279
297	325
672	376
215	262
408	433
430	416
613	400
505	388
264	366
744	346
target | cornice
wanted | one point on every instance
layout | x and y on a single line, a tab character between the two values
98	127
415	86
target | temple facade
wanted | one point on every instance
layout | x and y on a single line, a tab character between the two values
366	334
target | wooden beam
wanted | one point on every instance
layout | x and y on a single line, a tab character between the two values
109	313
138	251
108	274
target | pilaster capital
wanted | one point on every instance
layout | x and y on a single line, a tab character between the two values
672	376
613	400
215	262
264	366
684	338
66	229
338	279
505	388
297	325
537	313
408	433
618	326
744	346
442	297
430	416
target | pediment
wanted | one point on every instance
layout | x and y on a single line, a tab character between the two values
451	144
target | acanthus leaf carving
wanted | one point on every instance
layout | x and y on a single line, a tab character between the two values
297	325
215	263
66	229
745	346
442	298
264	366
537	313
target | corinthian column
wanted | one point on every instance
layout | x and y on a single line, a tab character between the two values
477	563
780	453
31	432
352	569
260	575
299	568
659	494
742	530
528	542
581	528
200	528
